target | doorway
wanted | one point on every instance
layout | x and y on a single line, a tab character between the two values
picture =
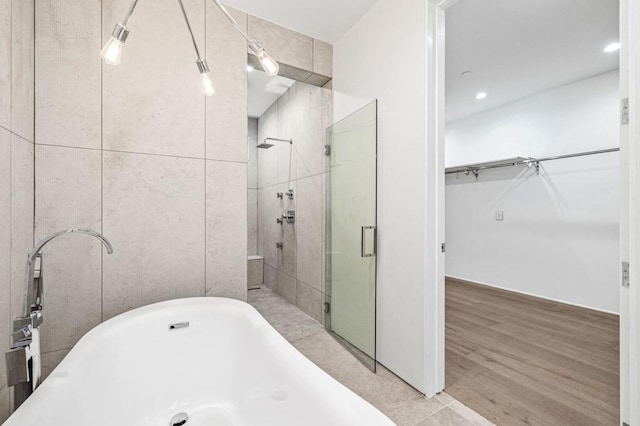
519	232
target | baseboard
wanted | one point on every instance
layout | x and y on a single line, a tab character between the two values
564	302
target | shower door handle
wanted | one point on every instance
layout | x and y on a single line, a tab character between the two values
363	241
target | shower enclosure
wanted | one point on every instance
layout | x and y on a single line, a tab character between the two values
352	233
286	199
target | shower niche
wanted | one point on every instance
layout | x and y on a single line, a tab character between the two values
287	123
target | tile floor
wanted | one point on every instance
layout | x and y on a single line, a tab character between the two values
399	401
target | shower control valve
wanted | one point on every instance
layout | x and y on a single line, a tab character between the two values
279	220
280	195
290	194
290	217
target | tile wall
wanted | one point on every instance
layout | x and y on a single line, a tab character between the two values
137	152
16	166
252	193
296	271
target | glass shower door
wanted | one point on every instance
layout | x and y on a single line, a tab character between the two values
351	232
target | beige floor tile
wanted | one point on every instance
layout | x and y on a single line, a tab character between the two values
383	389
445	398
409	413
445	417
466	412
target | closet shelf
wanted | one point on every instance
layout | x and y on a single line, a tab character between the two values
470	168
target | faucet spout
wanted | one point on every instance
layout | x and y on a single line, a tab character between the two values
38	247
33	288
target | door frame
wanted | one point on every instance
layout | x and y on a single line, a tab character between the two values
434	342
630	241
630	205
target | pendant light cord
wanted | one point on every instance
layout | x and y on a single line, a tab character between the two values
193	39
230	18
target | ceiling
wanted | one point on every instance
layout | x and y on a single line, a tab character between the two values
263	91
517	48
324	20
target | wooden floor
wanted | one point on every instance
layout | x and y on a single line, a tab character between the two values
520	360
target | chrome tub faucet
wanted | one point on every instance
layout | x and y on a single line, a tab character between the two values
23	358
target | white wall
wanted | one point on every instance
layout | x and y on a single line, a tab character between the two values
559	238
383	57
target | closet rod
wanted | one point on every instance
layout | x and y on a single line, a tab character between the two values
579	154
528	161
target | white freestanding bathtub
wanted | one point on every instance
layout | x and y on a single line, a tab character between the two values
227	367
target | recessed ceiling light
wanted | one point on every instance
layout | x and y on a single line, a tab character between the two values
481	95
612	47
250	68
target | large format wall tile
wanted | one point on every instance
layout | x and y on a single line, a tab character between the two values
311	115
310	230
270	232
270	277
268	158
68	196
153	212
278	163
5	63
22	65
226	122
286	46
286	287
226	219
267	213
50	361
252	221
286	233
5	244
266	232
153	102
21	218
322	58
68	75
253	152
287	129
310	301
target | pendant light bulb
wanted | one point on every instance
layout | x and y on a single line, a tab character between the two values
205	72
269	64
112	52
209	90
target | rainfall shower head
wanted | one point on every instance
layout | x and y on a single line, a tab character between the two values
266	145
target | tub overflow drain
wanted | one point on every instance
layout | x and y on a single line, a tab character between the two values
179	419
